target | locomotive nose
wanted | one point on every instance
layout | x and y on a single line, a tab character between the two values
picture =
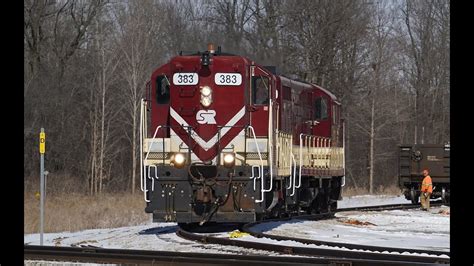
207	109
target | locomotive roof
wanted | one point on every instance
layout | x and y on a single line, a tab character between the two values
269	68
330	94
333	97
198	53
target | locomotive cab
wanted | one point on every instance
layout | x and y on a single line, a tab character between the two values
326	113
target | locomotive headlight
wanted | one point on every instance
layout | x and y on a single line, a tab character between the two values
206	101
206	96
206	91
229	160
178	160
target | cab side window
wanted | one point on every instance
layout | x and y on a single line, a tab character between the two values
320	109
162	90
260	90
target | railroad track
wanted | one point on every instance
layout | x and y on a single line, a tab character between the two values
248	229
399	206
368	253
314	256
146	257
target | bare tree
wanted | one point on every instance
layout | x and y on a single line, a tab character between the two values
318	41
427	47
387	62
103	111
230	18
54	32
376	110
138	26
263	31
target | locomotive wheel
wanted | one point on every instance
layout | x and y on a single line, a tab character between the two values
322	203
413	197
445	200
444	197
333	206
278	210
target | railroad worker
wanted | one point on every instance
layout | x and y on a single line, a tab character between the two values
426	190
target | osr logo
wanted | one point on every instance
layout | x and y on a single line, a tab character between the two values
206	117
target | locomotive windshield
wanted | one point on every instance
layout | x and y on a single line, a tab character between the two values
321	109
162	90
260	91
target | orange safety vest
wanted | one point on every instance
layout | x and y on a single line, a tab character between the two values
427	185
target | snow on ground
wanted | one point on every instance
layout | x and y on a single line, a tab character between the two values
152	236
62	263
370	200
411	229
397	228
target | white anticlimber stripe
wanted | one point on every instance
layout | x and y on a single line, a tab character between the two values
206	145
194	135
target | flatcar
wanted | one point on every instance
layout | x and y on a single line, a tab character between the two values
413	159
224	139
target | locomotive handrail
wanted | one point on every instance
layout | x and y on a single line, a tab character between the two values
301	158
291	176
146	157
291	155
270	155
156	176
260	169
320	147
154	136
255	177
294	175
343	157
142	106
261	162
270	148
142	166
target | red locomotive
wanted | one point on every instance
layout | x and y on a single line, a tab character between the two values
232	141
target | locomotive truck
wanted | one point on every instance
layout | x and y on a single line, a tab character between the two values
224	139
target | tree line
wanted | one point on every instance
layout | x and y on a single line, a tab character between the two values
86	65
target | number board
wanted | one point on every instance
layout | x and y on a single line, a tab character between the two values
185	78
232	79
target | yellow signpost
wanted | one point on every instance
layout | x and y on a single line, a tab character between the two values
42	150
42	142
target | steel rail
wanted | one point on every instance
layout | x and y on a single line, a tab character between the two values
130	256
248	229
326	252
308	251
398	206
